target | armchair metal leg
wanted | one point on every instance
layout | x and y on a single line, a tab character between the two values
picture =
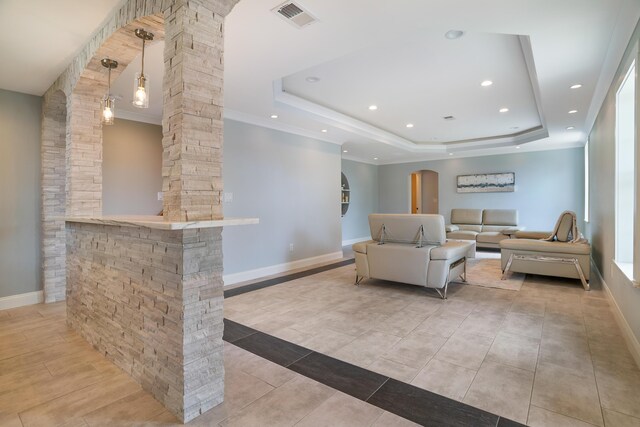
585	284
445	291
505	272
464	273
358	280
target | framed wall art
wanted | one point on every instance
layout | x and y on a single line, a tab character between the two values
487	183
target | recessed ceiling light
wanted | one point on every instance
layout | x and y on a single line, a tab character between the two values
504	110
409	125
451	154
576	86
344	151
375	158
313	79
373	107
486	83
324	131
573	111
571	127
518	147
453	34
274	116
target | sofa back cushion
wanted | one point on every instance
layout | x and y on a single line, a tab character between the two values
501	217
405	228
565	227
466	216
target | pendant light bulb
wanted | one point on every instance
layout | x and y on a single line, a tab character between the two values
107	104
140	84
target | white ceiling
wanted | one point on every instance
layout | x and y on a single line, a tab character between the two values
421	80
364	49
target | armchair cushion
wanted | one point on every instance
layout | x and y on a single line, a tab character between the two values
361	247
451	227
450	250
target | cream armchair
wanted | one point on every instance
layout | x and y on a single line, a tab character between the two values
411	249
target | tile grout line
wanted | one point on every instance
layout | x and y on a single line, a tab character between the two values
376	390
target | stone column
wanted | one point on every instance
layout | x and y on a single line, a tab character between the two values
84	149
192	121
52	157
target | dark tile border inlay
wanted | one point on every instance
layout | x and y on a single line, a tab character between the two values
405	400
505	422
353	380
427	408
271	348
277	280
235	331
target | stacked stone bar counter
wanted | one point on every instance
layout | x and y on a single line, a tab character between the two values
148	294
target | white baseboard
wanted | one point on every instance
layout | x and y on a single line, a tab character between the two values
627	332
21	300
356	240
243	276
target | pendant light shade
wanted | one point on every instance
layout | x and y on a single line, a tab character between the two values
141	84
107	104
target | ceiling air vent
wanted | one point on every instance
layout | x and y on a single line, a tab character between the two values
294	14
449	118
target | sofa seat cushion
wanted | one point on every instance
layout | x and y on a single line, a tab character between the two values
451	250
544	246
462	235
491	237
361	247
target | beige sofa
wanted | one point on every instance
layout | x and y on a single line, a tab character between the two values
487	227
411	249
563	256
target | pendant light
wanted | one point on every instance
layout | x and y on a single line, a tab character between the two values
140	85
108	102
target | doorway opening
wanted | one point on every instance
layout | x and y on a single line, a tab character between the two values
424	192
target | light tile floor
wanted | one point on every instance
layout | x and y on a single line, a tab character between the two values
550	354
50	376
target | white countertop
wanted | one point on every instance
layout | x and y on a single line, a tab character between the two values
158	222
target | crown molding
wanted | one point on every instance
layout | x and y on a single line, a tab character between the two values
240	116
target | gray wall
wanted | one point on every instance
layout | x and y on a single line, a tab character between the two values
20	117
363	185
131	168
292	184
602	199
547	183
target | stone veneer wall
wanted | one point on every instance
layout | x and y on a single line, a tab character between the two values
150	300
147	299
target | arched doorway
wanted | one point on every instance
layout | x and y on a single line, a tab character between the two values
424	192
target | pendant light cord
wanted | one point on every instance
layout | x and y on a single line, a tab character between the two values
142	70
